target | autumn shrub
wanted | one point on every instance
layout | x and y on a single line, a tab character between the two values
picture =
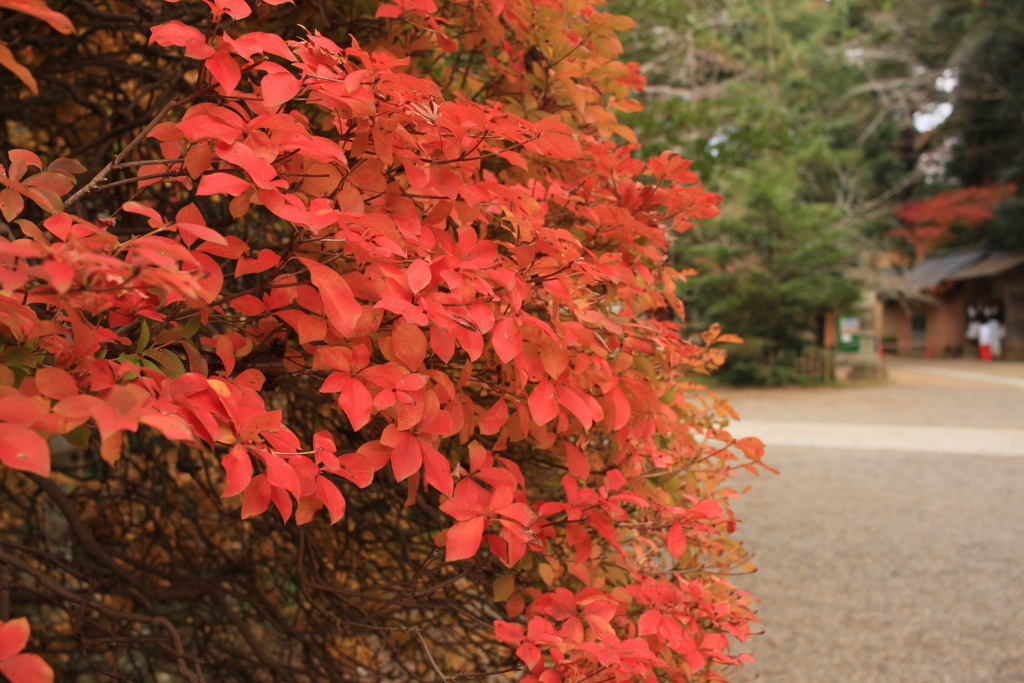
335	348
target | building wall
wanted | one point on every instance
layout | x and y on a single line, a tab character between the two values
946	319
946	324
896	323
1010	287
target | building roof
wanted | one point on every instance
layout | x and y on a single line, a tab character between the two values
993	264
933	271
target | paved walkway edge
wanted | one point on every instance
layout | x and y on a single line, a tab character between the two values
959	374
884	437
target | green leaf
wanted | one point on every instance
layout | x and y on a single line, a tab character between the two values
79	436
143	337
191	327
19	355
169	363
151	365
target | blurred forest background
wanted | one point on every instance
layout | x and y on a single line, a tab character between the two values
819	120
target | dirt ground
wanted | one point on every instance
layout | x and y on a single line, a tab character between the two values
880	565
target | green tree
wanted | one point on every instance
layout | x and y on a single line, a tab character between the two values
770	268
982	46
801	115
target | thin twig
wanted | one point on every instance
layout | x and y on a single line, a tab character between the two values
430	657
116	162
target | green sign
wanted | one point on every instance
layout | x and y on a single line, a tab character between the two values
849	333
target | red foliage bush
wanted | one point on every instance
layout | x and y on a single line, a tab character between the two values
927	223
437	230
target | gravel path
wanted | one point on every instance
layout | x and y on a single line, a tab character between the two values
884	565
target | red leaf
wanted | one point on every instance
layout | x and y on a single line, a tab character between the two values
557	145
494	418
238	466
23	449
409	344
356	401
507	339
437	469
226	352
579	463
225	69
281	474
464	539
307	508
388	12
576	405
181	35
26	668
543	403
331	497
514	158
471	341
194	230
508	633
340	305
265	260
56	383
222	183
236	9
334	383
62	276
8	61
676	540
324	450
649	622
442	343
407	457
13	637
257	497
279	88
282	501
622	409
419	276
39	10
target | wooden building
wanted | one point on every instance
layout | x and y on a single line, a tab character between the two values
929	307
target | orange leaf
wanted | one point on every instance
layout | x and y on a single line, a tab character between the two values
409	344
8	61
340	305
676	540
39	10
494	418
331	497
579	463
464	539
238	466
23	449
356	401
543	403
265	260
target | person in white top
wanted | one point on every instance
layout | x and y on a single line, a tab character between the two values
985	340
998	333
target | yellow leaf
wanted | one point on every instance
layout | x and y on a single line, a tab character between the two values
504	585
